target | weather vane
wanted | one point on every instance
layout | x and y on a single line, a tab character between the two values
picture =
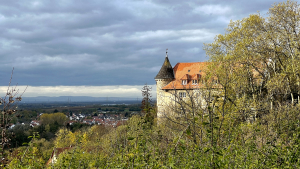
167	52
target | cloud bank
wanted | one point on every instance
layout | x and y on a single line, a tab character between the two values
92	91
107	43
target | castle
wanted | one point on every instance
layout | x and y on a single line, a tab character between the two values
180	83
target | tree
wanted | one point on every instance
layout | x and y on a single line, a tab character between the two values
64	138
261	57
147	104
9	105
246	120
60	118
257	64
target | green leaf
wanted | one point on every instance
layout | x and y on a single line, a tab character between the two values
188	131
218	153
205	123
207	150
130	138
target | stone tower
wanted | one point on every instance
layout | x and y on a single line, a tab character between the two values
164	77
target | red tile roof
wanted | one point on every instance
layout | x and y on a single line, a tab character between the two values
185	77
189	72
196	76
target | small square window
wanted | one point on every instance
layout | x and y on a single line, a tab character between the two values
184	82
195	82
182	94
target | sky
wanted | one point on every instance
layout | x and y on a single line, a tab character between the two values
106	48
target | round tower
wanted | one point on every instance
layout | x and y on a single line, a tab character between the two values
164	77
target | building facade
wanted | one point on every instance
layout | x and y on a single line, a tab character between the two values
178	86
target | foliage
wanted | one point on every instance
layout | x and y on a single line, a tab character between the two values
147	107
259	57
245	145
60	118
77	125
9	104
65	138
253	122
21	134
34	155
26	116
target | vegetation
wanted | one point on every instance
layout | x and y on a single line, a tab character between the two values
50	124
253	122
8	114
148	112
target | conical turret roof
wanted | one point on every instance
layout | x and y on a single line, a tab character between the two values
166	70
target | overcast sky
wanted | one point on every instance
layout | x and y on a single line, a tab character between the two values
98	48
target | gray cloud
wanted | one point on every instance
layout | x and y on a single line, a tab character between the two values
102	43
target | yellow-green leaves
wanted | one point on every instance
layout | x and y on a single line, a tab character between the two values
65	138
60	118
260	56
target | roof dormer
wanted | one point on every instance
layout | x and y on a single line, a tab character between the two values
186	77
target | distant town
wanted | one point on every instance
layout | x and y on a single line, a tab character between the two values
107	113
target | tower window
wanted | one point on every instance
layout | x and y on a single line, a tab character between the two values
182	94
